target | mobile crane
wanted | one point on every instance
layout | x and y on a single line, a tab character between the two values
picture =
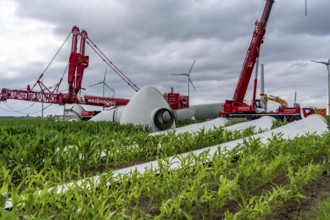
236	107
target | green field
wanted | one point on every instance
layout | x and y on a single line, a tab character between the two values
253	181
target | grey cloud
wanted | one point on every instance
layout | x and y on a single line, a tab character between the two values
149	40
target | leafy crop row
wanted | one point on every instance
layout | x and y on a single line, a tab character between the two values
228	186
63	151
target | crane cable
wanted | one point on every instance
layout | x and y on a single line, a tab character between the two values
42	74
21	111
32	113
18	111
59	83
111	65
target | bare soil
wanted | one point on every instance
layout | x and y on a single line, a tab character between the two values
316	192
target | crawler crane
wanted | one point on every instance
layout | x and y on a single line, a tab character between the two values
78	62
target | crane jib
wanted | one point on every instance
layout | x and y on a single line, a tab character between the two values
267	11
252	54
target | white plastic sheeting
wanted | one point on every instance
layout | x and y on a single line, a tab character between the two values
184	114
206	111
261	124
315	124
264	123
110	114
195	128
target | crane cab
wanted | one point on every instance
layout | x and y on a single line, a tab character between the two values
260	106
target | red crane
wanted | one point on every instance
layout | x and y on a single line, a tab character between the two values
78	62
237	105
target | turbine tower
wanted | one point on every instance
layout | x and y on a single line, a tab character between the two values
327	64
104	84
188	78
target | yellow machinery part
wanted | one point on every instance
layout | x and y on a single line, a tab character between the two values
321	111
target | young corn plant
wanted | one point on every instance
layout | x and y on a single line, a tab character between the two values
43	154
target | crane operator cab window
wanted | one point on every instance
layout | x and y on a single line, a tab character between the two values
260	106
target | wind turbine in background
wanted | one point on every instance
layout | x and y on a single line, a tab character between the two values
104	84
327	64
188	78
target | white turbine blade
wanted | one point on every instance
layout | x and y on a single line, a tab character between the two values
96	84
113	94
109	87
191	67
180	74
112	90
105	74
320	62
191	83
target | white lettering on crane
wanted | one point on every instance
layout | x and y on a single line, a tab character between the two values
100	101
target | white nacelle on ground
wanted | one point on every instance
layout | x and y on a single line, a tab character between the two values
73	113
147	107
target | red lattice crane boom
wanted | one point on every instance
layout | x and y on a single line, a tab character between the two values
78	62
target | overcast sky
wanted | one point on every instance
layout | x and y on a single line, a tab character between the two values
151	39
